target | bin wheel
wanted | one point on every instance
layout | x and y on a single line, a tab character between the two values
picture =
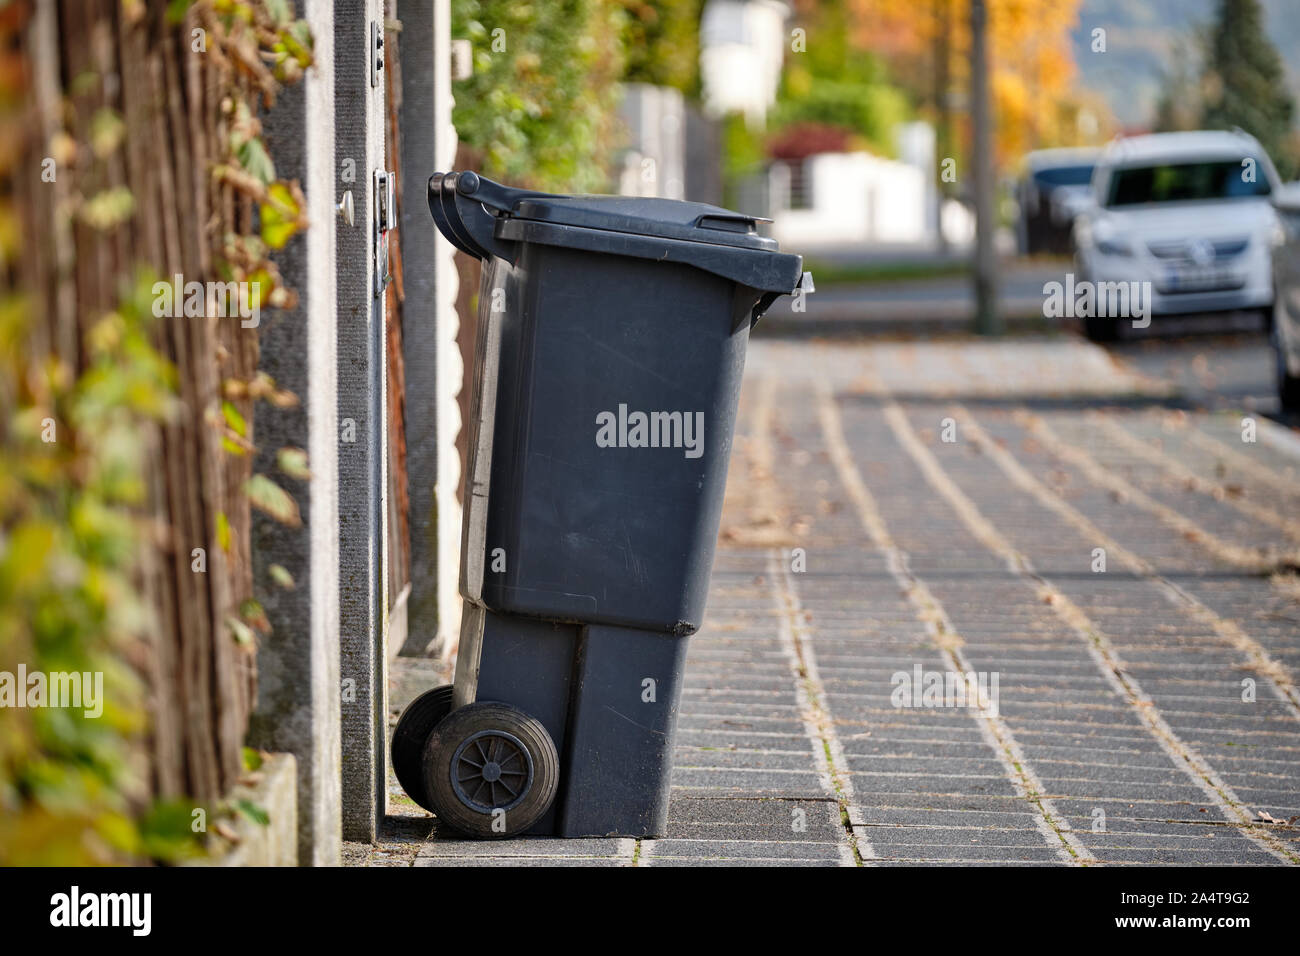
490	770
411	734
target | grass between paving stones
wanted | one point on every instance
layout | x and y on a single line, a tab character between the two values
821	718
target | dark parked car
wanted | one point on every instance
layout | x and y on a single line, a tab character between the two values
1052	191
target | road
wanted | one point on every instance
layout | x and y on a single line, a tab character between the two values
1217	361
1214	369
1113	568
942	303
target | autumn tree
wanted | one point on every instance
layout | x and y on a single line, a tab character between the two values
1035	97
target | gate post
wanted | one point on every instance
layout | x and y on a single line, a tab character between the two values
298	667
429	325
363	434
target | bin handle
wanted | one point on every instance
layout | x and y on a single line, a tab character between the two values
459	203
501	198
804	285
466	224
442	221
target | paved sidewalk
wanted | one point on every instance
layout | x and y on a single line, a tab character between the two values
944	508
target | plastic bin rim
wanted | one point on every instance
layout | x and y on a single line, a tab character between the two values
559	213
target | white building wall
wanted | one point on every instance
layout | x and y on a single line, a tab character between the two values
742	46
854	198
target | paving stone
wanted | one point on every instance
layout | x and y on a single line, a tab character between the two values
743	850
1003	853
511	861
893	840
529	846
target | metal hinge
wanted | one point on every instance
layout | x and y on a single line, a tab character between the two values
385	215
376	51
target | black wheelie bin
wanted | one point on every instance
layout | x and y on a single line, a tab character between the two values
611	342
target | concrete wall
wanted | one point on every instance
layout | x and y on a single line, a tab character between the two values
322	693
362	411
703	158
274	790
434	370
298	669
655	161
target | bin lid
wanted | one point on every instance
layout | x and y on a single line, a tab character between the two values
648	216
486	219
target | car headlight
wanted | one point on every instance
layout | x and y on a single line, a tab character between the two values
1114	247
1276	234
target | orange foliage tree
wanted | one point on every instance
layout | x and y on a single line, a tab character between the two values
1036	99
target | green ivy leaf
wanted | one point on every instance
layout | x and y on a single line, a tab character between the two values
293	462
254	158
106	132
281	576
252	613
176	10
167	833
107	209
299	42
223	531
251	810
241	632
268	497
234	420
252	759
279	217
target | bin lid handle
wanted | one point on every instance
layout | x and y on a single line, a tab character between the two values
501	198
732	222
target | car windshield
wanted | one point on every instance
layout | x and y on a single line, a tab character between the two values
1064	176
1179	182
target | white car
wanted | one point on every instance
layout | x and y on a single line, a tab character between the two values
1286	307
1184	219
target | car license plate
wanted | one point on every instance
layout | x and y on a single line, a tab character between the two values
1199	280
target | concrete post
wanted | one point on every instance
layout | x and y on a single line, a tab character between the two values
298	667
363	433
429	325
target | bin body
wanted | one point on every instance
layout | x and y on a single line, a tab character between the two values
617	386
610	350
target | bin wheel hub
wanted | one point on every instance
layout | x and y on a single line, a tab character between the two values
491	770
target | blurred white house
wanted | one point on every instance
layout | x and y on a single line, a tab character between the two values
847	198
853	198
818	190
742	46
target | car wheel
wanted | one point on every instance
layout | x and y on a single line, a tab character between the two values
1101	328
